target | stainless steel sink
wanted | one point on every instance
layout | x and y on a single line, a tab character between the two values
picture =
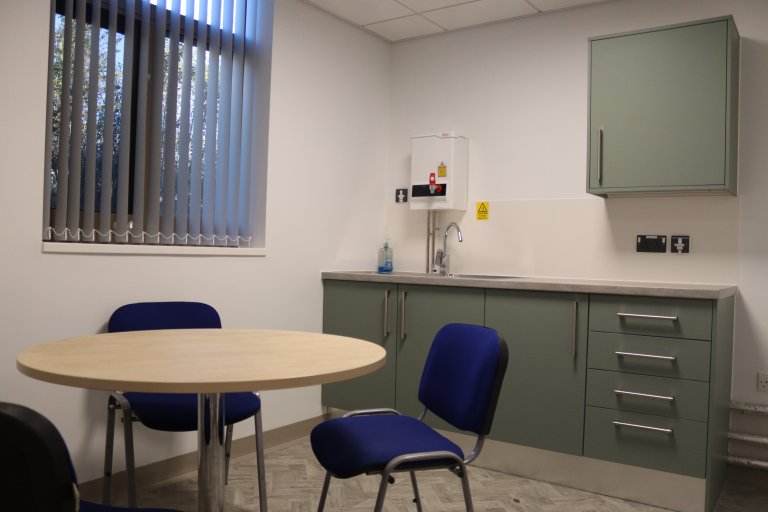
480	276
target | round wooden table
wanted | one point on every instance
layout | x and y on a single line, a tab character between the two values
208	362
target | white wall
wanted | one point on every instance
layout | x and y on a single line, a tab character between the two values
327	156
518	90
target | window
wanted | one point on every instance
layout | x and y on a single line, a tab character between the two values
150	106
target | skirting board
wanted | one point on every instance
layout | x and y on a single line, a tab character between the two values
175	466
657	488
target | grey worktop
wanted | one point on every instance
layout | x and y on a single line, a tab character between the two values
547	284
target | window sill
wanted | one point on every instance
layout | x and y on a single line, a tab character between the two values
157	250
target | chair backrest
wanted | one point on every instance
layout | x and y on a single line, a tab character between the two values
150	316
36	468
462	376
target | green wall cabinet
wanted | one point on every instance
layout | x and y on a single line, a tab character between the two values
663	107
547	338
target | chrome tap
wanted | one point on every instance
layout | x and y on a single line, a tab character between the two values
441	257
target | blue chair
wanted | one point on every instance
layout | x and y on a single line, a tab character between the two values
38	475
172	412
461	383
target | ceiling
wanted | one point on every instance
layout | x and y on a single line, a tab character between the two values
396	20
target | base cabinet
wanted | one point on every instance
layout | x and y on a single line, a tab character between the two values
367	311
404	320
547	338
639	381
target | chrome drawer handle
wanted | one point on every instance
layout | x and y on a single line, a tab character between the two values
645	356
621	392
651	317
642	427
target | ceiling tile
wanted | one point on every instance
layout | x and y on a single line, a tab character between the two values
363	12
430	5
476	13
551	5
404	28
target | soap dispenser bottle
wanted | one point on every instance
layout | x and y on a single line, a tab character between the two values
385	258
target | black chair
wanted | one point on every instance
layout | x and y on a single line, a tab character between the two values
461	383
172	412
38	475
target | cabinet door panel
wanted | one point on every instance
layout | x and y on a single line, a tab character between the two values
426	310
542	398
358	309
659	109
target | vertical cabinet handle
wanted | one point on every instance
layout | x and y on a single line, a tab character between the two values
575	329
402	315
600	156
386	313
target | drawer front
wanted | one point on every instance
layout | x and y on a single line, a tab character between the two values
649	355
661	396
676	318
682	450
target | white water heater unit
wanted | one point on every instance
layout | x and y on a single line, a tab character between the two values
439	163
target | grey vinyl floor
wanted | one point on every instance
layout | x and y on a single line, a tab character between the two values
294	481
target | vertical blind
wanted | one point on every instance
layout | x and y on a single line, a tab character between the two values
150	105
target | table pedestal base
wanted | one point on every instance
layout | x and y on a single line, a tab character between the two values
210	449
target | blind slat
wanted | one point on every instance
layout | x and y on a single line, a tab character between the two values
225	114
49	129
182	202
105	205
198	128
89	197
169	164
156	133
76	138
233	180
209	177
140	164
249	107
65	130
123	170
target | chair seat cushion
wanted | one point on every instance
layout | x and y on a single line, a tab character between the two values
177	412
87	506
351	446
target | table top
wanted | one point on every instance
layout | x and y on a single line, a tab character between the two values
200	360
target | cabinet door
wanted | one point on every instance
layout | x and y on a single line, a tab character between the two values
424	310
659	110
542	398
366	311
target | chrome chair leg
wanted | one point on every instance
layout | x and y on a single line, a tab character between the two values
227	453
385	480
130	464
465	488
106	482
262	472
324	493
416	495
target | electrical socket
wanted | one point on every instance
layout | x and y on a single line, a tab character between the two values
762	381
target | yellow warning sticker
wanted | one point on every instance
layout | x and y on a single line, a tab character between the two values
482	210
442	170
